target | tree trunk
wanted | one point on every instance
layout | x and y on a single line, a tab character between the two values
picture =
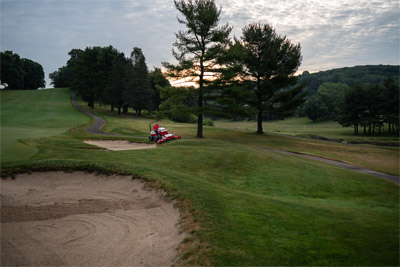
200	103
112	107
119	110
125	109
259	107
355	129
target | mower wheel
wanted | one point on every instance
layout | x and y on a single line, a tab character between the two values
150	138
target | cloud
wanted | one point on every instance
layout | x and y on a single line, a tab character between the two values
332	33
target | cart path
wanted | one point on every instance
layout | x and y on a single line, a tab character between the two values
99	122
95	128
392	178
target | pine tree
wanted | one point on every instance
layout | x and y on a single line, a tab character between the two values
269	64
198	47
138	93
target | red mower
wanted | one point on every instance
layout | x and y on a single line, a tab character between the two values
161	135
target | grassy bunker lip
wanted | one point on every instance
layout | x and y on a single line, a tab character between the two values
117	145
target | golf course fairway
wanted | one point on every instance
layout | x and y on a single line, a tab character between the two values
239	204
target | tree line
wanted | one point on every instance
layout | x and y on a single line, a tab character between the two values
20	73
104	74
233	78
370	106
369	74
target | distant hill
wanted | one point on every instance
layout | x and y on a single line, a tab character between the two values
369	74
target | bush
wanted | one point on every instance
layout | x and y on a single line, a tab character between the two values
208	122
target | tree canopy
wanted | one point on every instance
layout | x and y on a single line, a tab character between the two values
327	102
20	73
268	64
370	106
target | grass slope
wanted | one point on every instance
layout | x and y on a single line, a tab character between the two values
248	206
33	114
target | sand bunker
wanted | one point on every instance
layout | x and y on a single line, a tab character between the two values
77	219
119	144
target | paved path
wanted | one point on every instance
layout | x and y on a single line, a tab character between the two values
95	128
389	177
99	123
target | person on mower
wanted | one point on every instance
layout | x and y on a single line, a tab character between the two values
155	127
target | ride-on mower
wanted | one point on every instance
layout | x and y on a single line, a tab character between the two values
162	135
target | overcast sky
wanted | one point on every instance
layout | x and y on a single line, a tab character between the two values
332	33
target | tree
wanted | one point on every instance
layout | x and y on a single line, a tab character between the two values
352	110
198	47
138	93
91	71
114	92
370	106
269	64
315	108
327	102
20	73
61	77
157	81
391	102
178	104
11	70
33	74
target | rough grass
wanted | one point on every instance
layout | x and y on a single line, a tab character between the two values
245	205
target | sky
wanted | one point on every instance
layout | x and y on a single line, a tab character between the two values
332	33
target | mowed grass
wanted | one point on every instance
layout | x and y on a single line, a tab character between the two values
33	114
246	205
377	158
304	127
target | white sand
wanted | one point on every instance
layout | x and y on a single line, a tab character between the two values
80	219
119	144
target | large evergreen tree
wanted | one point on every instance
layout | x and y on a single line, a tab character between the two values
114	92
269	64
198	47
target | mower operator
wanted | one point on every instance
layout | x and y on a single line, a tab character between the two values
155	127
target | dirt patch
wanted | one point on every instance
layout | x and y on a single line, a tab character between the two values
119	144
80	219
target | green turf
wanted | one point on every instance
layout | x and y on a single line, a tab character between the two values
305	127
252	206
33	114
